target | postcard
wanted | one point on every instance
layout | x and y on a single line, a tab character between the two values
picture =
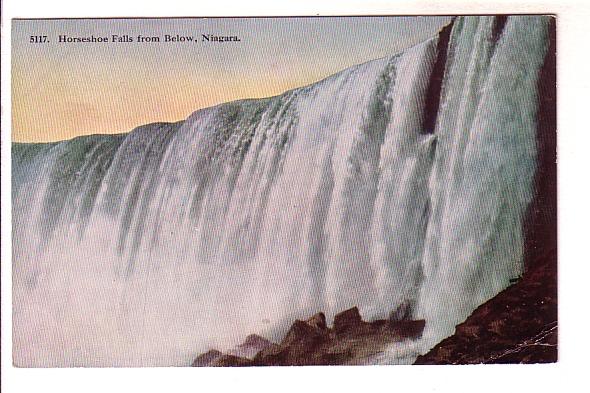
284	191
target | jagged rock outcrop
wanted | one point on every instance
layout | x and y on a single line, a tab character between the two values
312	342
251	346
207	359
241	355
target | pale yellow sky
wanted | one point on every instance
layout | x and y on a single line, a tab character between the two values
63	90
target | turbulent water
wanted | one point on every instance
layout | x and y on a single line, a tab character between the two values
150	247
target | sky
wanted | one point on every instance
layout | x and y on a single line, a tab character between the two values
63	90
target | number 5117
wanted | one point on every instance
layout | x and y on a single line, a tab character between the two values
38	39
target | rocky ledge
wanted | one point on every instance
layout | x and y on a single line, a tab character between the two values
519	325
311	342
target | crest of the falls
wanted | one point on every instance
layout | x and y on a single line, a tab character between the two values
147	248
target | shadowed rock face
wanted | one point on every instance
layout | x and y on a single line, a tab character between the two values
312	342
207	359
250	347
517	326
432	103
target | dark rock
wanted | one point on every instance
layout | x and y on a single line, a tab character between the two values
231	361
318	321
302	333
347	320
206	359
350	340
408	329
498	27
312	342
519	325
275	355
251	346
215	358
256	340
239	356
540	222
433	93
303	339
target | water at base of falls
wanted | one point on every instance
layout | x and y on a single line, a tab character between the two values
148	248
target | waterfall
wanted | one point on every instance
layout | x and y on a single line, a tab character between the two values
149	247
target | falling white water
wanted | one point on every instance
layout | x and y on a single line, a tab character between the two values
151	247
